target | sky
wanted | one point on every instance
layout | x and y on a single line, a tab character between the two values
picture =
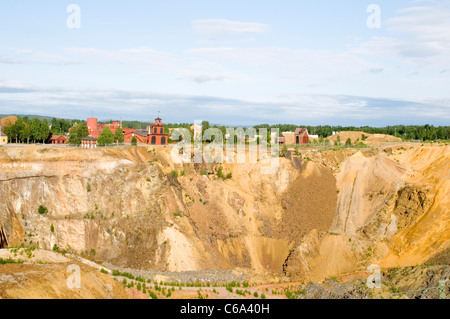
246	62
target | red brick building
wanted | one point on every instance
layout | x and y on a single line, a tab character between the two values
301	136
156	134
140	134
57	139
153	135
95	128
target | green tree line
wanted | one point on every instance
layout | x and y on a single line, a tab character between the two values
35	130
27	131
407	132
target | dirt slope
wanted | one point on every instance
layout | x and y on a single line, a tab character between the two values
356	136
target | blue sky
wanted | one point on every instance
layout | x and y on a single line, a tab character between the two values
229	62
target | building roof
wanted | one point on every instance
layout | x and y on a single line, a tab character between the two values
301	131
89	138
3	134
142	132
55	137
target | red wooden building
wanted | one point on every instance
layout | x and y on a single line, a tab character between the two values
57	139
156	134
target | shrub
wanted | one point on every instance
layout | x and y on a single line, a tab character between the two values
348	142
103	271
283	151
174	173
115	272
263	296
220	172
42	210
9	261
256	294
52	228
152	295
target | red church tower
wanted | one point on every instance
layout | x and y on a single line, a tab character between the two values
156	134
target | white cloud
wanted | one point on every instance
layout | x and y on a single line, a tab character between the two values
419	35
45	57
204	78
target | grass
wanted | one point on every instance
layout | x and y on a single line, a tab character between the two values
9	261
221	175
342	147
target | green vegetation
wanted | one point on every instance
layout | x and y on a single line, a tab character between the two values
348	142
52	228
221	175
115	272
25	130
78	131
409	132
42	210
283	151
9	261
174	173
104	271
118	136
134	141
106	137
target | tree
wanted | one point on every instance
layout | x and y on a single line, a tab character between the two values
106	137
118	136
44	131
134	141
25	132
348	142
338	141
35	126
78	131
19	126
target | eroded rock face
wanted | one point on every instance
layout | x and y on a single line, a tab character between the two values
412	202
400	211
310	219
126	207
